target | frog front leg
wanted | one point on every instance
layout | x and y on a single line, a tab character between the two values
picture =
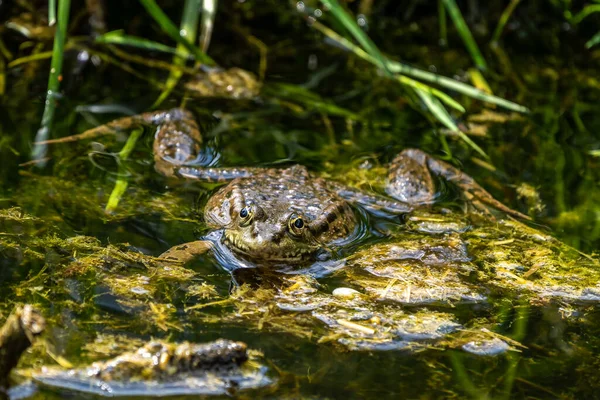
410	181
178	150
177	144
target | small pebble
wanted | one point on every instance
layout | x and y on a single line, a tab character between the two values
345	292
139	290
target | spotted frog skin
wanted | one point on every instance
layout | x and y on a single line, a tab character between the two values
289	214
233	83
280	214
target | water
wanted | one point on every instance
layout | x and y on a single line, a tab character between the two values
83	287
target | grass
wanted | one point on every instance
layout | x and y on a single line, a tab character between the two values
434	99
181	37
2	76
442	23
209	8
431	97
123	176
406	70
504	19
39	150
465	33
188	29
51	12
350	24
584	13
120	38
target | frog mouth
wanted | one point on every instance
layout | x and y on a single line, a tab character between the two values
273	254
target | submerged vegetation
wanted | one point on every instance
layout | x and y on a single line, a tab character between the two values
443	302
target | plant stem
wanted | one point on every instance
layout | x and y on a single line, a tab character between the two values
170	29
39	150
51	12
443	25
123	179
188	28
504	19
465	33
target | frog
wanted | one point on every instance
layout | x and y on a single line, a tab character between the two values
232	83
29	25
291	215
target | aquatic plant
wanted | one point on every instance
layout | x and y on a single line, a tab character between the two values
39	150
584	13
431	97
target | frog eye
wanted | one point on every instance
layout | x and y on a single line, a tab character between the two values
296	224
246	215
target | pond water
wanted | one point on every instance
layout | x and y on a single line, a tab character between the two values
414	328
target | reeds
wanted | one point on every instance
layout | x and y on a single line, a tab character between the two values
188	29
123	175
465	33
181	36
39	150
433	99
584	13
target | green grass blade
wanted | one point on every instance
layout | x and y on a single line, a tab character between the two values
449	83
442	115
403	69
437	93
51	12
595	153
463	377
443	24
471	143
120	38
478	80
34	57
593	41
350	24
4	51
504	19
587	11
123	177
465	33
402	79
209	9
310	100
2	76
39	150
189	27
170	29
437	109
